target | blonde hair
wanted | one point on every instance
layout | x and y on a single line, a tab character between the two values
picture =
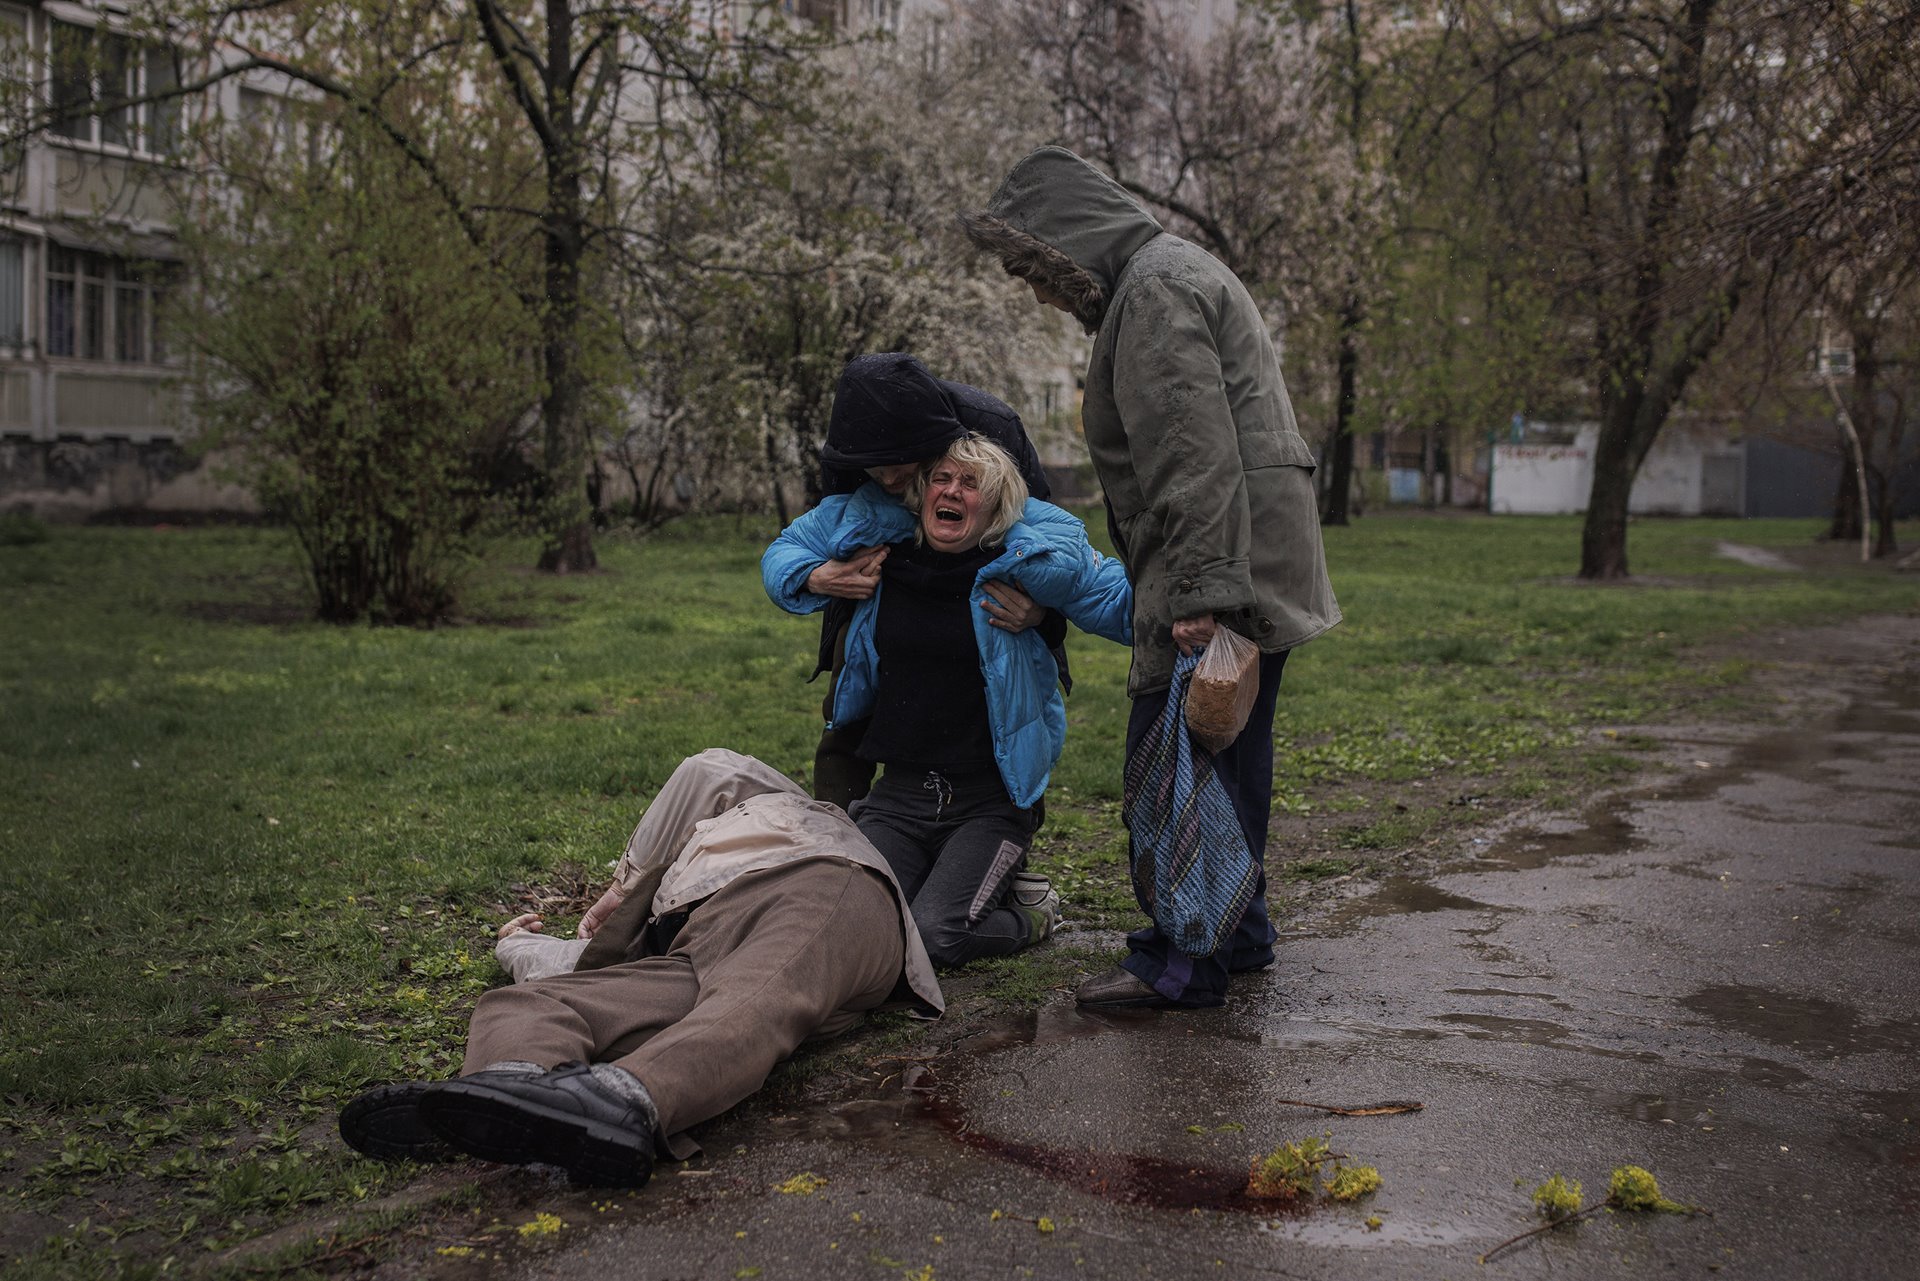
1003	491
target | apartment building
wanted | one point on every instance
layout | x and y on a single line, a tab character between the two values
89	420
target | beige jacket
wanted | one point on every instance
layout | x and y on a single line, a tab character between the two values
721	816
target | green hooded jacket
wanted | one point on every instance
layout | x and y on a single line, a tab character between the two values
1209	486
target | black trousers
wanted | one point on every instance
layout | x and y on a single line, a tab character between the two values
1245	768
954	845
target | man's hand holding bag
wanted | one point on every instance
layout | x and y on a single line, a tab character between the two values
1224	686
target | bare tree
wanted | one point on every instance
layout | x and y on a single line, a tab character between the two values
603	95
840	239
1252	140
1658	152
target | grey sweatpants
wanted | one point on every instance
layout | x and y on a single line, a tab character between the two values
766	962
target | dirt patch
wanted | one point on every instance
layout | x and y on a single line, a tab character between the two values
249	613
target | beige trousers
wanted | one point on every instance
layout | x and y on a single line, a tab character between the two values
772	958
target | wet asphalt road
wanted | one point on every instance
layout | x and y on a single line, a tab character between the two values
1715	976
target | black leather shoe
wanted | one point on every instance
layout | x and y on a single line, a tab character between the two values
564	1117
384	1123
1121	988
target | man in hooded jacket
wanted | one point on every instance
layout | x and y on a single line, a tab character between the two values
1208	484
890	414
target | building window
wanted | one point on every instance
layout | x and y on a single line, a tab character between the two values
163	117
13	292
130	320
101	308
71	85
93	78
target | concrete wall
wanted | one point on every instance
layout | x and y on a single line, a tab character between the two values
1685	474
1540	480
74	479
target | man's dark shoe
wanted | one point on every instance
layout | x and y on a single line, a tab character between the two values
384	1123
566	1117
1121	988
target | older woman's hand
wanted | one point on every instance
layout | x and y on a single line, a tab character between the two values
1009	608
854	578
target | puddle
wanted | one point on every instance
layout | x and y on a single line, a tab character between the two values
1525	1031
1550	998
1767	1072
1654	1108
1806	754
1400	896
1811	1024
1608	830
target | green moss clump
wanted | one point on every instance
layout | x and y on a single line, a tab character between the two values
1351	1182
1634	1188
1288	1171
1558	1198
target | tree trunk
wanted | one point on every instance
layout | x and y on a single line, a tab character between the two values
1845	525
568	527
1340	483
1429	467
1647	364
1603	536
1882	461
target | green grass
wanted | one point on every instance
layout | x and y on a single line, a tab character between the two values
252	863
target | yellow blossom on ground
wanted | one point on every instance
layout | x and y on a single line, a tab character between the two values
1558	1197
1045	1224
1632	1187
1287	1171
1351	1182
455	1251
805	1184
542	1225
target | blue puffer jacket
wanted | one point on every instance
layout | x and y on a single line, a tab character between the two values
1046	555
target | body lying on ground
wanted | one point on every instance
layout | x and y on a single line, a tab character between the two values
745	917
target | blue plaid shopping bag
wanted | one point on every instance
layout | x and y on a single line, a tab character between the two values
1192	870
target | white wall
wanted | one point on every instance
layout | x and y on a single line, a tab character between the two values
1542	480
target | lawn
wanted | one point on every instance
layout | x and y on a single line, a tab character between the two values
252	863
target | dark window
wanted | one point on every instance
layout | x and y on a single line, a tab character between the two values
163	117
60	300
13	293
100	307
130	320
94	78
71	85
118	83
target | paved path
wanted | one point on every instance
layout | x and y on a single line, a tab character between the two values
1715	976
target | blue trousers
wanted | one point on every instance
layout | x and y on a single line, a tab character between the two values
1245	769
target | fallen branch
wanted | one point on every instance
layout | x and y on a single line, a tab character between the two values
1371	1109
1548	1226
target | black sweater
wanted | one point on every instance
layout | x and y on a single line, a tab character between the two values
931	708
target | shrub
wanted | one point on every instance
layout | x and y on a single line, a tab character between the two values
358	355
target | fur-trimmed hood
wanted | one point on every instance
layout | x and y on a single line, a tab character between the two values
1062	224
